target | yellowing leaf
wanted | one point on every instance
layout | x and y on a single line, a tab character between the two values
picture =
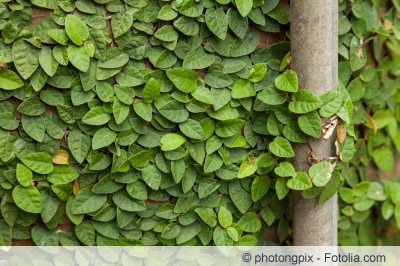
61	157
76	188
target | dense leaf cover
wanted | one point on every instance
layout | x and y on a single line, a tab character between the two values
368	68
153	122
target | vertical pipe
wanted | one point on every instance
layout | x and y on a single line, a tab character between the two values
314	41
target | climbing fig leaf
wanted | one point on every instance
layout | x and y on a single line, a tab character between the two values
38	162
287	81
224	217
301	181
24	175
304	101
184	79
171	141
310	124
27	198
320	173
281	147
9	80
76	29
244	6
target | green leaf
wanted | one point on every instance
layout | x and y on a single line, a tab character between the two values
287	81
79	145
268	215
310	124
300	181
85	233
76	29
224	217
272	96
244	6
247	169
243	89
228	128
383	158
75	218
24	175
285	169
249	222
25	57
9	80
258	72
151	91
331	188
5	234
47	61
259	187
217	22
281	14
240	197
237	23
32	107
166	33
27	198
320	173
79	58
387	210
218	79
62	174
171	141
50	206
167	13
187	26
376	192
115	58
120	111
192	129
198	59
171	231
221	237
105	91
124	94
103	138
152	176
7	147
207	186
42	236
126	203
137	189
86	201
304	101
331	103
212	163
121	22
35	127
184	79
281	147
144	110
207	215
96	116
39	162
281	187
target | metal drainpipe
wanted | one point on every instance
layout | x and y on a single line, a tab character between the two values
314	42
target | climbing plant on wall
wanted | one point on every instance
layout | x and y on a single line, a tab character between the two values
153	122
368	51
